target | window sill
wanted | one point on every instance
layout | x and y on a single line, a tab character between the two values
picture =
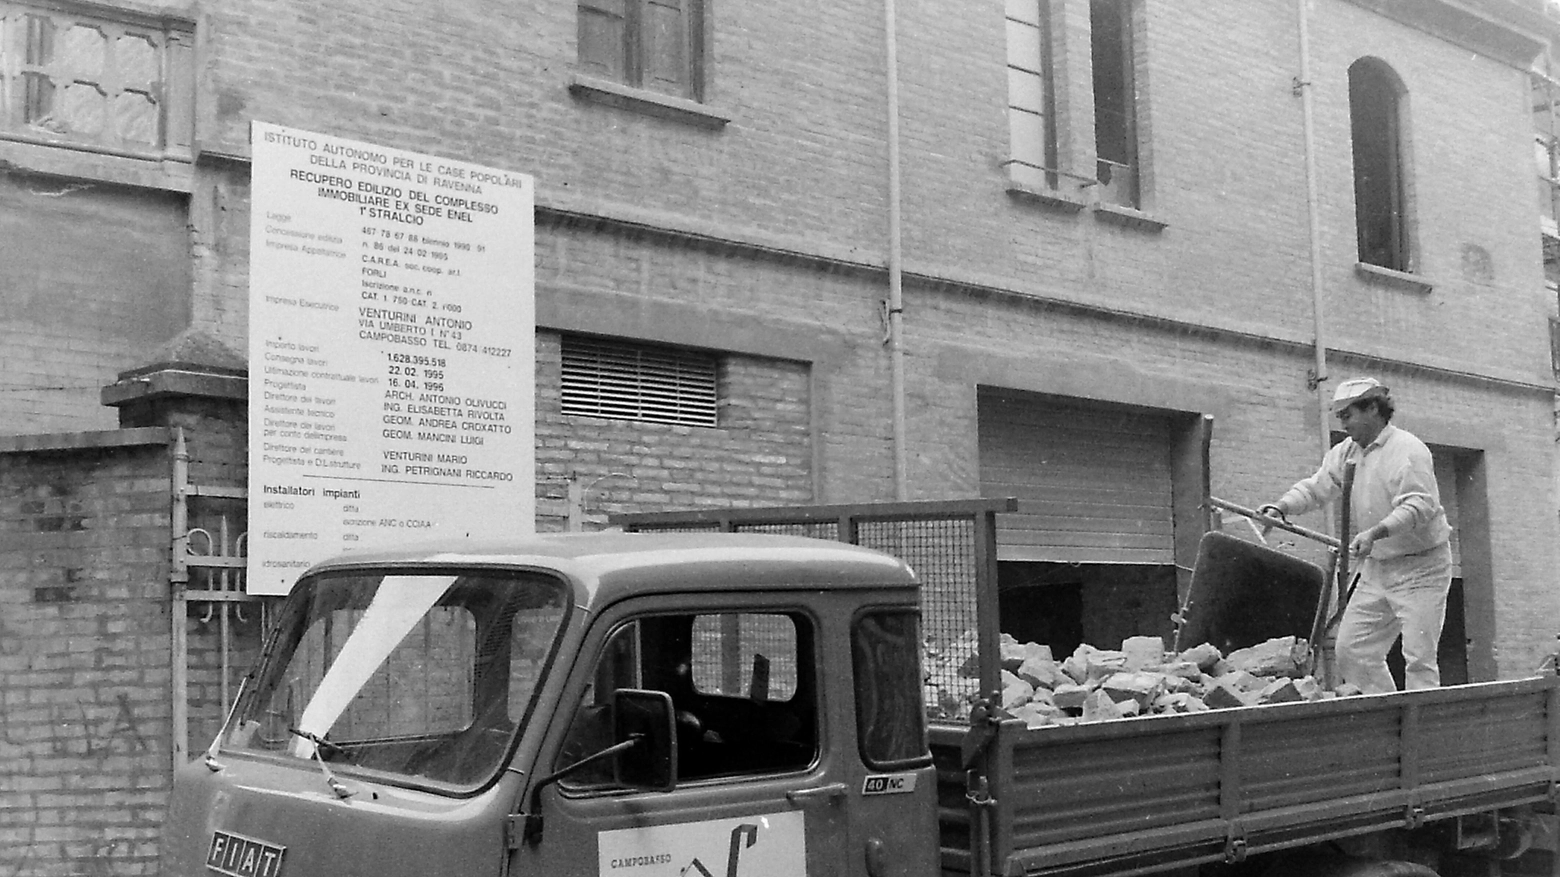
1050	198
1127	217
1380	276
639	100
80	163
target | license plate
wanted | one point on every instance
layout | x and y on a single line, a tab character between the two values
239	856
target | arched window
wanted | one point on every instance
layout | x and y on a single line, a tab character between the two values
1380	184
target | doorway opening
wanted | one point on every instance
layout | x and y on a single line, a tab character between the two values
1062	605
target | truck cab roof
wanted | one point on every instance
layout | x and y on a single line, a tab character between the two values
610	564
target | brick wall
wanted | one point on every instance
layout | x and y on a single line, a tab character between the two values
759	454
222	639
69	324
84	658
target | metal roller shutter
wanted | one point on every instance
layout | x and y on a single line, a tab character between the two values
1093	483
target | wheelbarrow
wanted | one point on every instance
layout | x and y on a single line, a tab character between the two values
1244	593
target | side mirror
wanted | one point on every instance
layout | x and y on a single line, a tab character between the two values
647	719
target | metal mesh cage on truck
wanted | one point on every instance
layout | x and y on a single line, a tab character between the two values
951	545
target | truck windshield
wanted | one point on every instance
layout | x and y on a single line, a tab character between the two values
424	677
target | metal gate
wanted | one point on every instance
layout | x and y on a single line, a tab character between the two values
215	626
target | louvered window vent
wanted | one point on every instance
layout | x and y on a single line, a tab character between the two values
627	381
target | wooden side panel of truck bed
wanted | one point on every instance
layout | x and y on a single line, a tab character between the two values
1138	795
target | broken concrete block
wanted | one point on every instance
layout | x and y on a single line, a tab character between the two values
1179	703
1088	663
1142	652
1348	689
1225	693
1042	672
1140	688
1280	691
1280	656
1016	694
1069	696
1038	715
959	657
954	696
1104	664
1010	652
1309	688
1099	707
1038	652
1242	680
1181	668
1015	653
1204	656
1076	665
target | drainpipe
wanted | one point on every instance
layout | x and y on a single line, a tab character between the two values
896	302
1304	87
178	582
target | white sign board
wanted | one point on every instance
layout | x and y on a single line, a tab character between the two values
391	351
771	845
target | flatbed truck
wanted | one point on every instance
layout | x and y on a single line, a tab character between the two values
737	704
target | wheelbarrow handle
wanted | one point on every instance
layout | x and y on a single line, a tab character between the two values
1270	521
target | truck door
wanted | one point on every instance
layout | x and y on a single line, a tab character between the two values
893	786
758	791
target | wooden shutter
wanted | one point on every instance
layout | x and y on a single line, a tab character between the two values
667	43
1031	95
1093	483
602	34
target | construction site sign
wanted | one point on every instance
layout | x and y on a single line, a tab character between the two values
391	351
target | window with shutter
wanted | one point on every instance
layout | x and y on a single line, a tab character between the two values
1554	345
622	380
1031	94
1115	101
602	25
1065	59
1381	202
651	44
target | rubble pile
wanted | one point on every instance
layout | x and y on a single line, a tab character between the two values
1140	678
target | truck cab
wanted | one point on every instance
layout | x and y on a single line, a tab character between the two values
678	704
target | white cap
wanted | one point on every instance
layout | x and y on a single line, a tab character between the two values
1356	390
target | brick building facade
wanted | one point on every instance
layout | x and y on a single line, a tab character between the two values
1080	241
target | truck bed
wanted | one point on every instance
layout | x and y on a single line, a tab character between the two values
1143	795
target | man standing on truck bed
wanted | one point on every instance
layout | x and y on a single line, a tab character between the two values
1403	545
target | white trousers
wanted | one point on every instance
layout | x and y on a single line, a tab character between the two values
1401	595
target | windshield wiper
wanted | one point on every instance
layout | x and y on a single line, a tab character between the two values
216	743
320	742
